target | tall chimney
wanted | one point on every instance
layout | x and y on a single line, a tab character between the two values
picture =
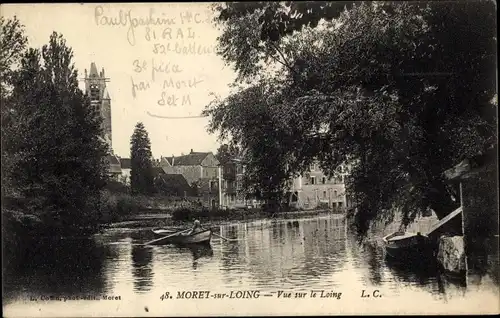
191	150
173	158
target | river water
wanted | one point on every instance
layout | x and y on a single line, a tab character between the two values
269	259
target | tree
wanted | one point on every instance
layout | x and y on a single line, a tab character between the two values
386	86
249	119
57	156
12	47
141	173
254	31
225	153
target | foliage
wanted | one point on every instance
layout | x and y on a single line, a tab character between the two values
117	187
118	206
51	139
12	46
401	91
141	173
248	117
225	153
254	30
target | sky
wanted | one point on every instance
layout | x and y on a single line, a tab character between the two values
159	58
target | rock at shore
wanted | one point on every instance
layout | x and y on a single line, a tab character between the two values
451	253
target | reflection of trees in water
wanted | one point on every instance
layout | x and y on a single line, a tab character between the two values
426	274
278	232
371	256
288	250
231	251
324	245
142	267
65	267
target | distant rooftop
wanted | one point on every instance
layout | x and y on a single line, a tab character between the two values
191	159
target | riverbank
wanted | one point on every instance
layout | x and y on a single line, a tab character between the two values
213	217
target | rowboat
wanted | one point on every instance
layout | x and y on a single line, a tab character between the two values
174	237
401	245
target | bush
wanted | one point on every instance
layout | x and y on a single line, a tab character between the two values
116	207
190	214
117	187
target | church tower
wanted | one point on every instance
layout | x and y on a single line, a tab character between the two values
95	87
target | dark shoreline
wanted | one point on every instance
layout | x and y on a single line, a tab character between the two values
165	219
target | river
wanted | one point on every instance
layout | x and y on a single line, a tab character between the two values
273	257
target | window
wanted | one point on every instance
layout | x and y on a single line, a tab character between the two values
313	180
94	92
335	193
213	186
323	180
324	194
340	204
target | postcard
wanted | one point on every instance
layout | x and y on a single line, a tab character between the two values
249	158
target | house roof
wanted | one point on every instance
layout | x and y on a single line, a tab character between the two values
125	163
113	160
175	182
192	159
114	164
158	171
173	178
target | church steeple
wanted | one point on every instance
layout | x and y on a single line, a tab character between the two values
95	88
93	70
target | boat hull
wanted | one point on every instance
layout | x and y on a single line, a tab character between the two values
409	246
201	237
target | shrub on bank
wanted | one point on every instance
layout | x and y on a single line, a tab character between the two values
117	206
190	214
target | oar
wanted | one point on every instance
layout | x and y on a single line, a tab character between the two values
224	238
165	237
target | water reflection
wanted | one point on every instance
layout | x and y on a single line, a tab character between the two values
298	254
142	268
199	251
64	268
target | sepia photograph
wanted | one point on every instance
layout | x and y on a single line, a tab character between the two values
249	158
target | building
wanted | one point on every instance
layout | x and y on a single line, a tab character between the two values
314	189
95	88
311	190
173	185
202	172
232	195
125	166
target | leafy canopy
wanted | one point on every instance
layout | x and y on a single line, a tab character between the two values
141	174
400	90
51	140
